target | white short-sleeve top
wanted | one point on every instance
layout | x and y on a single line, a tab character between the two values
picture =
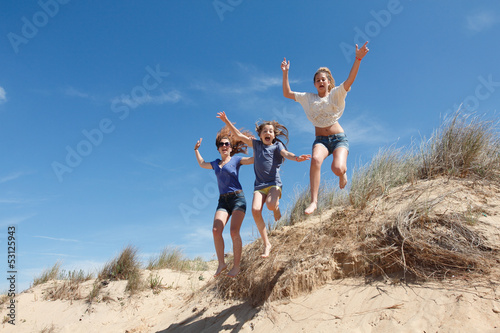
323	111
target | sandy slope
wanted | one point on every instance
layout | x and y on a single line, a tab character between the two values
345	305
348	305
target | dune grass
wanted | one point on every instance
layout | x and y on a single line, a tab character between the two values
414	242
48	274
173	258
465	145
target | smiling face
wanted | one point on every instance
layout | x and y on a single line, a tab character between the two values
321	82
224	147
267	134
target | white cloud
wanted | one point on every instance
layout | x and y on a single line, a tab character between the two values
59	239
15	220
12	176
73	92
3	95
481	21
171	97
253	80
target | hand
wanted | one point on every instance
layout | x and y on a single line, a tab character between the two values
198	144
222	116
303	158
361	52
285	66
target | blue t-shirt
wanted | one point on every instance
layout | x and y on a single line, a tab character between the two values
267	162
227	176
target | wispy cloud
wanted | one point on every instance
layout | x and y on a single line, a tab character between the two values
15	220
12	176
56	254
251	79
3	95
73	92
366	130
59	239
171	97
481	21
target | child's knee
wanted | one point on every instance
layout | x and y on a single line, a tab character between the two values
217	231
316	161
256	211
235	233
272	206
338	170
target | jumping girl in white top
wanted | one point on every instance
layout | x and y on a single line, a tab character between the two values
324	110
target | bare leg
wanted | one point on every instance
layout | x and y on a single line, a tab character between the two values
273	202
339	165
257	205
319	154
236	221
220	221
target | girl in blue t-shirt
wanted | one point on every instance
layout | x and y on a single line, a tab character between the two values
231	200
269	153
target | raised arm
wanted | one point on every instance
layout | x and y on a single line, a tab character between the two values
287	92
291	156
201	161
360	54
240	136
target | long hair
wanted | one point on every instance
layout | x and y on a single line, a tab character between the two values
328	75
236	145
280	131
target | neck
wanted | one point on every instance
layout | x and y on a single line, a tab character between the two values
323	94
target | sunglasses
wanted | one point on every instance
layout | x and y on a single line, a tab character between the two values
222	144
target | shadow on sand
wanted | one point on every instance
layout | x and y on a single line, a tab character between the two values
216	323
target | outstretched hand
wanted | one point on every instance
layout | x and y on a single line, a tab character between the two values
198	144
361	52
222	116
303	158
285	66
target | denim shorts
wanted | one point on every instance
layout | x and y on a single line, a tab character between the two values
230	202
333	142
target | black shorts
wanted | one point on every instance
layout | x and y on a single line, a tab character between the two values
230	202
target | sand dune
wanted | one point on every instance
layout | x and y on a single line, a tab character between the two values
340	302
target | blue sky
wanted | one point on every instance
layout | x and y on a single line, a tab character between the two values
101	103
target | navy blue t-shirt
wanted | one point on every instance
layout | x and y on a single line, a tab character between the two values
267	162
227	176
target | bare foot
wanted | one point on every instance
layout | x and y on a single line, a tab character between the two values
233	272
220	269
312	207
267	250
343	181
277	214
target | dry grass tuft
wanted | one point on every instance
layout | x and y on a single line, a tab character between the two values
124	267
465	145
48	274
173	258
424	246
68	285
